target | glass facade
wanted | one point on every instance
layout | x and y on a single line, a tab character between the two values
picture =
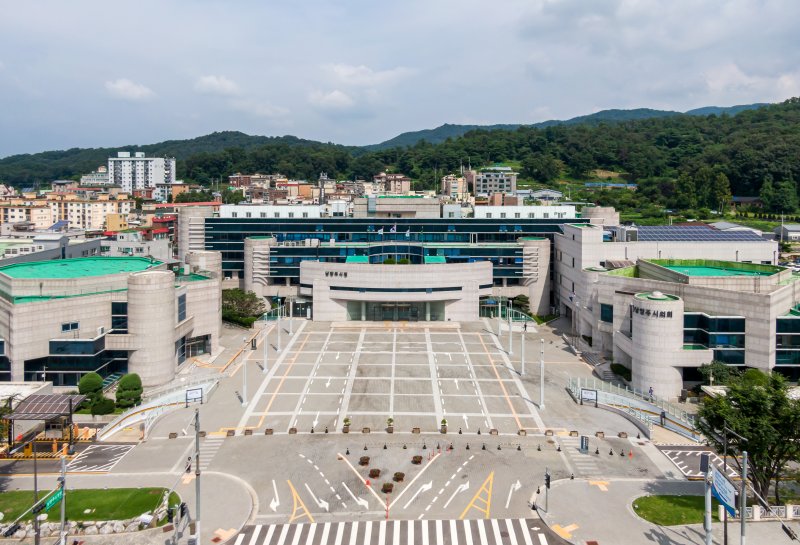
392	311
724	334
119	316
472	239
787	341
181	307
606	313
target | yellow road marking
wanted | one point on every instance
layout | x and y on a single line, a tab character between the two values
602	485
187	478
565	531
486	488
298	505
502	384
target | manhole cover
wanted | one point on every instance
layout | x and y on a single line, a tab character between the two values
593	542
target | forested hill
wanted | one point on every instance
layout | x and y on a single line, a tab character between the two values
44	167
442	133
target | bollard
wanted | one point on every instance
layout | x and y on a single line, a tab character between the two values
519	447
384	446
498	446
611	452
559	448
312	430
365	447
347	452
597	450
424	446
459	431
483	447
479	431
539	448
467	447
326	429
404	447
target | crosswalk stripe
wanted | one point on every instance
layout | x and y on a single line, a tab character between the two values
396	534
424	532
239	539
542	539
297	532
512	534
339	534
270	531
284	531
481	530
496	531
255	535
382	531
325	529
311	531
453	532
467	531
367	532
411	531
354	533
525	534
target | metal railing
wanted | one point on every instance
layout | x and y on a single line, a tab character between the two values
676	412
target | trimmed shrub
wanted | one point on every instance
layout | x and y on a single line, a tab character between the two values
90	384
129	391
102	405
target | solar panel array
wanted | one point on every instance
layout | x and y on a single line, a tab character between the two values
45	406
691	233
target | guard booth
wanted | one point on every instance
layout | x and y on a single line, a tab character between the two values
53	410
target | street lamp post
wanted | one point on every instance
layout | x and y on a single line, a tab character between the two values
725	431
244	372
266	348
499	317
541	376
510	344
522	348
291	316
280	309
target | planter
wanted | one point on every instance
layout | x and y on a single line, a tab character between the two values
387	488
363	461
398	477
374	473
345	429
416	460
389	429
443	429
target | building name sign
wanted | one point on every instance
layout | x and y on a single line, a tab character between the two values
651	313
337	274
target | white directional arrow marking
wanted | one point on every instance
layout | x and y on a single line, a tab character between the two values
461	488
337	355
456	381
316	420
322	503
466	421
359	501
276	501
328	383
424	488
514	487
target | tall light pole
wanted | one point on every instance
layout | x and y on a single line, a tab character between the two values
266	348
244	372
725	431
743	500
541	376
499	317
291	316
197	475
522	348
510	345
280	309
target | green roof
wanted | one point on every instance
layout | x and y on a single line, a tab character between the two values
711	267
79	267
435	259
357	259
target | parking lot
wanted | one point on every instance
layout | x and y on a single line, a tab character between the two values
417	374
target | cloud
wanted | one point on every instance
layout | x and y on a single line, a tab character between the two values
216	85
365	76
258	108
334	100
128	90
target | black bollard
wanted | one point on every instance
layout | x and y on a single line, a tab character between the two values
622	453
519	447
467	447
312	430
539	448
498	447
424	446
365	447
597	450
479	431
384	446
611	452
571	476
326	429
404	447
559	448
459	431
347	452
483	447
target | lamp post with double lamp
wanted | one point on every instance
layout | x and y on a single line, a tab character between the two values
725	432
265	368
280	309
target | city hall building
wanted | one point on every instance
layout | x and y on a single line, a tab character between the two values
61	319
665	300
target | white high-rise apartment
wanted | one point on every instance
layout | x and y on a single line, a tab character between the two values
140	172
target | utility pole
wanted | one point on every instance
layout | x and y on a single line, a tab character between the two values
63	532
725	431
510	345
244	373
541	376
197	475
743	499
707	517
499	317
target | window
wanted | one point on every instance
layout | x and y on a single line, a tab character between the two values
181	307
606	313
488	215
531	215
502	215
263	214
69	326
276	214
305	214
451	214
516	214
248	215
546	215
234	214
291	214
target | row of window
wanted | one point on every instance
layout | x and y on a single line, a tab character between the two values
531	215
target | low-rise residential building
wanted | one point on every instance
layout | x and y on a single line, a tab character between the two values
395	184
98	177
88	214
40	215
789	232
496	179
154	243
396	206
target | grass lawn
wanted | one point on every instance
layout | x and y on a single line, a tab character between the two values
544	319
672	510
106	504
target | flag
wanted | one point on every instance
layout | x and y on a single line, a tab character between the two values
380	231
408	232
393	229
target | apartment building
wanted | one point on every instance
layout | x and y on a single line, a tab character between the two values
138	172
493	180
88	214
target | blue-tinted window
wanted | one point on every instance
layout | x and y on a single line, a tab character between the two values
181	307
69	326
606	313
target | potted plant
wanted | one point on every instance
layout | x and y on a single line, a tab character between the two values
346	427
444	425
390	425
387	488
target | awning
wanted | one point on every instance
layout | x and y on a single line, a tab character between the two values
45	407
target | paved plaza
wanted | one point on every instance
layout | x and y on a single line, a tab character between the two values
417	376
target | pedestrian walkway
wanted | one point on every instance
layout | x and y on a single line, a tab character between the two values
585	464
402	532
208	449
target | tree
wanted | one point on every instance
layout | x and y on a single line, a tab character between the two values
767	193
785	201
541	168
242	303
718	373
102	405
757	406
129	391
90	385
685	194
722	192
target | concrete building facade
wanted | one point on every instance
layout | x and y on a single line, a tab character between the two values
138	172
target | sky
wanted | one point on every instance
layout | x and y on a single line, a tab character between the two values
87	73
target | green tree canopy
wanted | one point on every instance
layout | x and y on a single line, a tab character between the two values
242	303
757	407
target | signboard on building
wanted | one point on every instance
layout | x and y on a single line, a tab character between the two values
590	396
723	490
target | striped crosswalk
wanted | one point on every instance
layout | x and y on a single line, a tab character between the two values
209	448
401	532
585	464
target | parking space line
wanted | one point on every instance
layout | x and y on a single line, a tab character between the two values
391	382
437	398
309	381
348	388
486	417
